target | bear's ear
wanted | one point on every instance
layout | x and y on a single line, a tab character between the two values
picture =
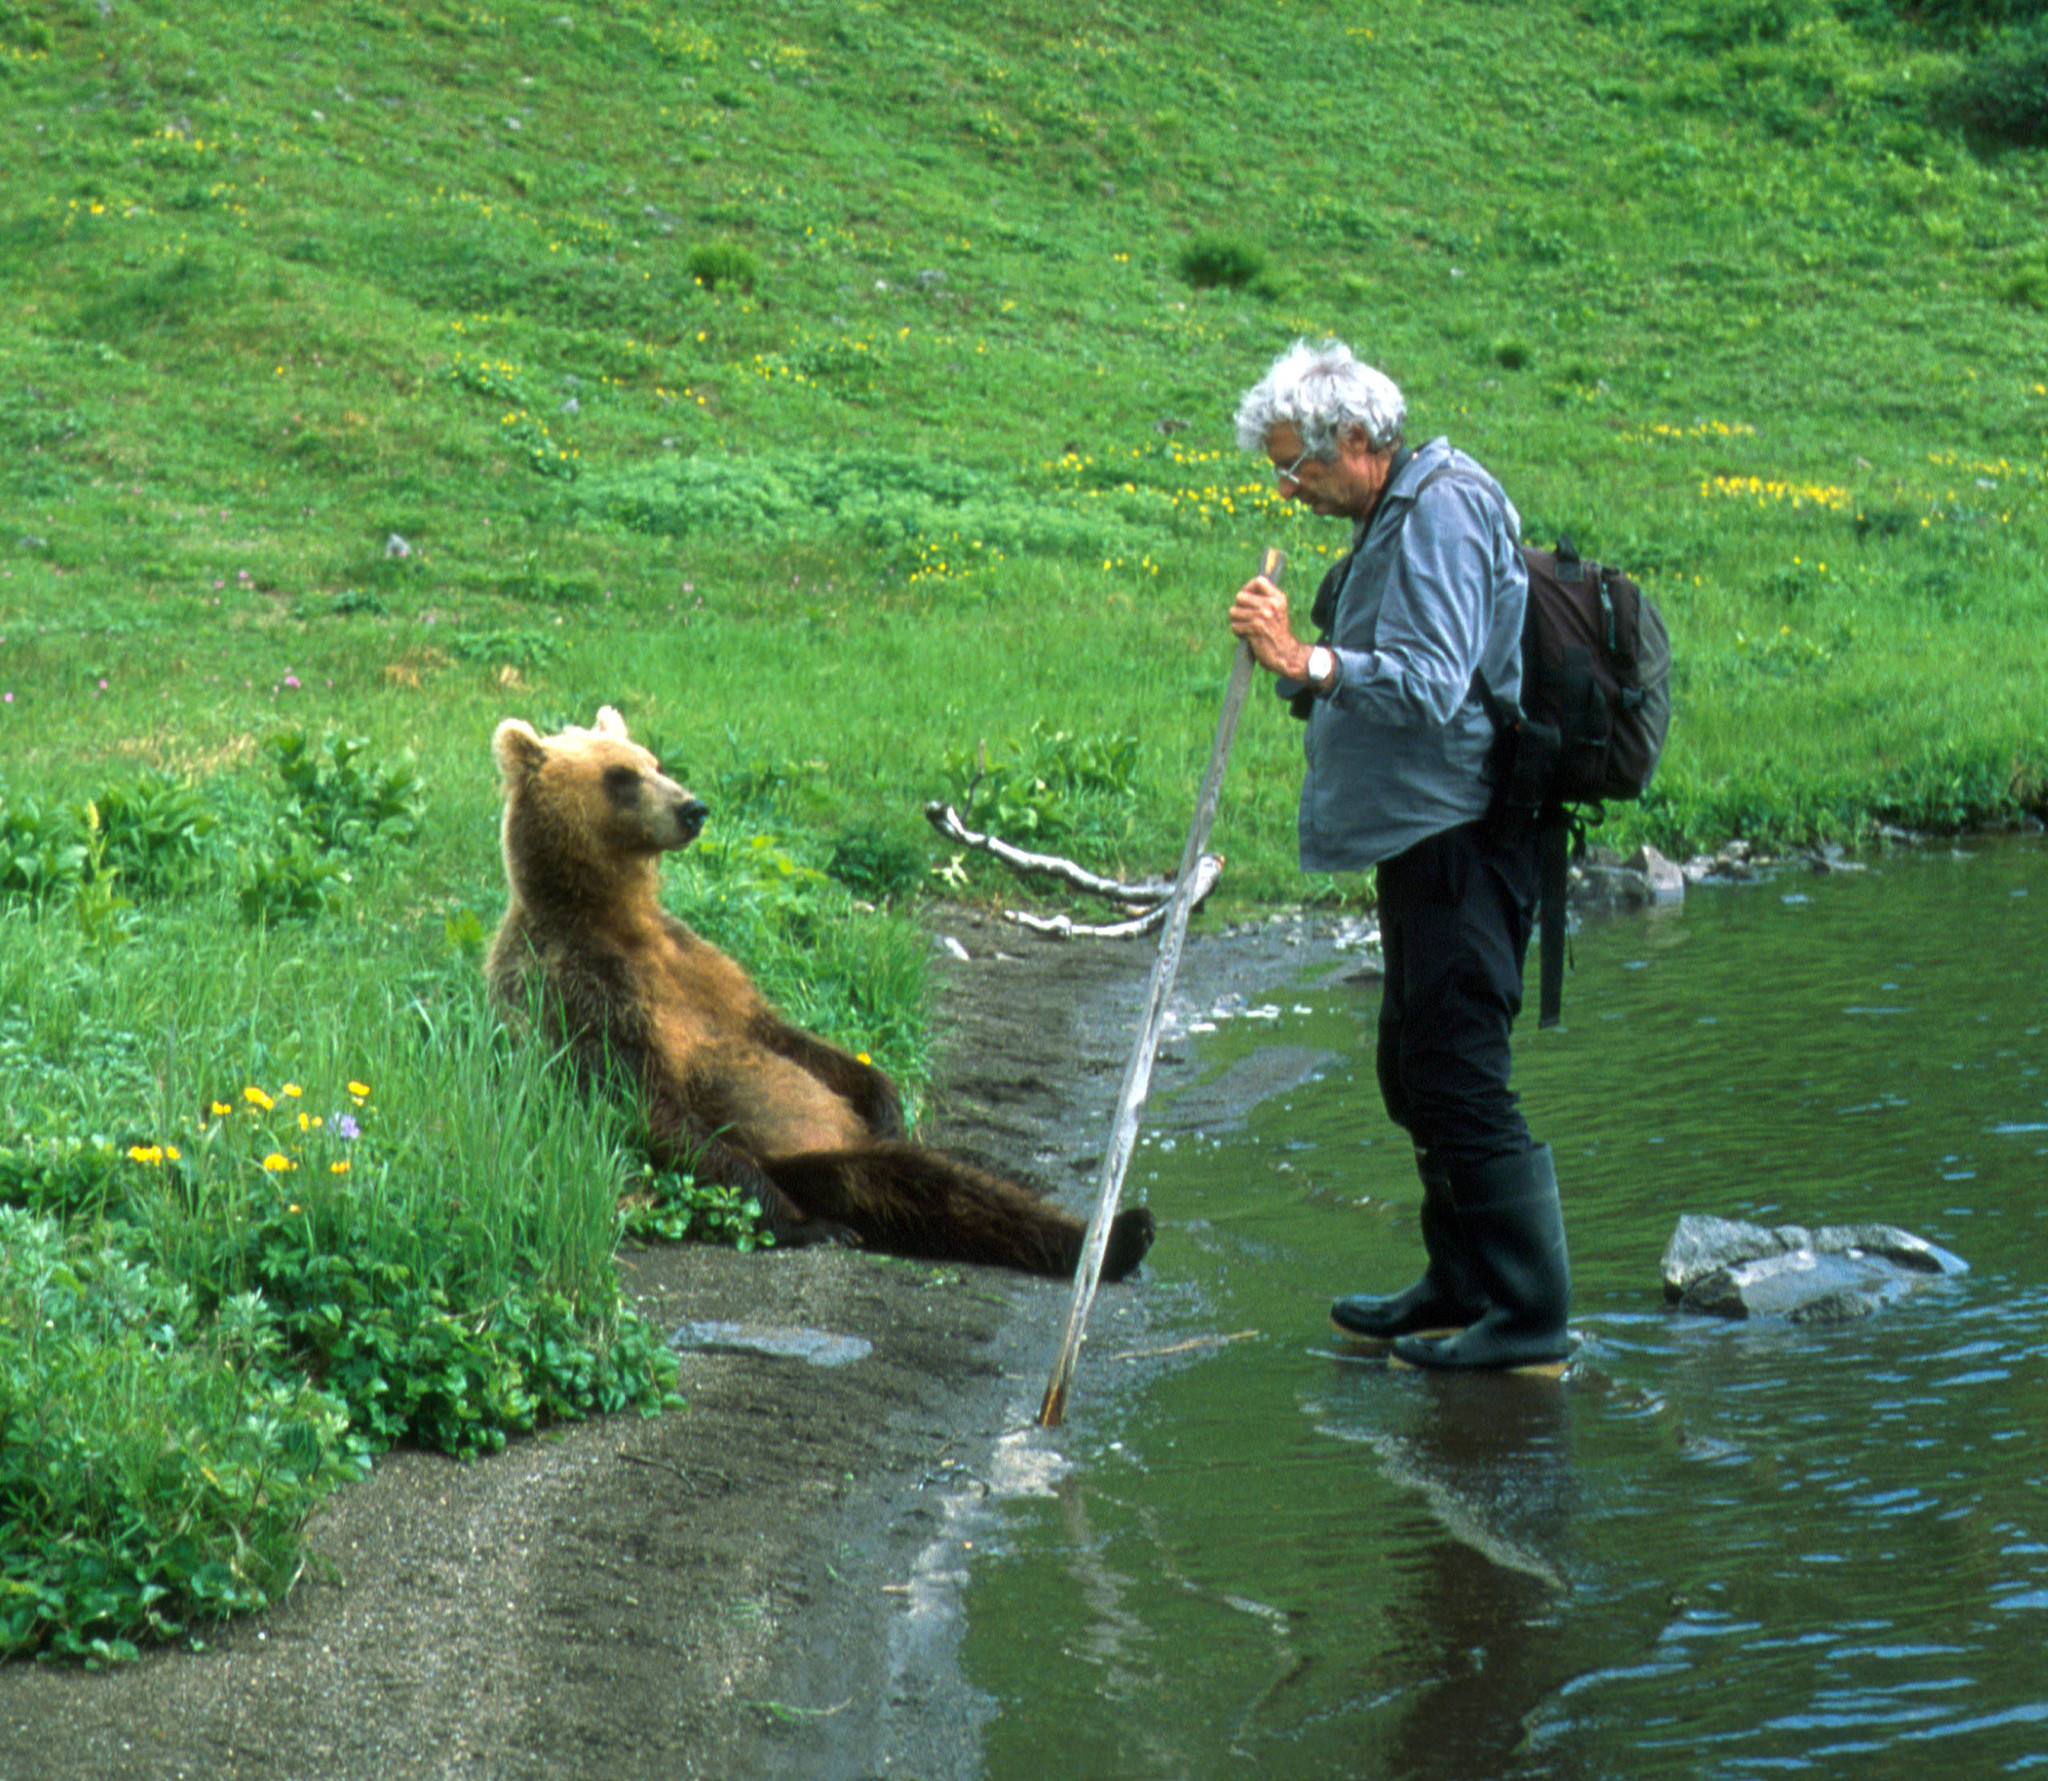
519	751
610	723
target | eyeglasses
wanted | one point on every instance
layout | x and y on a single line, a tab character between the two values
1292	472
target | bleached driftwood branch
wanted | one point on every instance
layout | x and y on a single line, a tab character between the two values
947	821
1208	869
1158	892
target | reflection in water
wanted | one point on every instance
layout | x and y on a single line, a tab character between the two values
1486	1451
1715	1550
1489	1460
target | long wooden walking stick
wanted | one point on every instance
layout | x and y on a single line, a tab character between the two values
1138	1072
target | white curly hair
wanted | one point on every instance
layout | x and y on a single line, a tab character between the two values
1322	391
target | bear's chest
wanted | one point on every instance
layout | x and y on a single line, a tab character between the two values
695	992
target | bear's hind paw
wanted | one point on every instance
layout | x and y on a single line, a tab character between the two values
1130	1236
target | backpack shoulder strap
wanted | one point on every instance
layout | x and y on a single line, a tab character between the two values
1554	834
1553	880
1429	480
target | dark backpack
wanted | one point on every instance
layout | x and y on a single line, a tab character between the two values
1589	727
1596	684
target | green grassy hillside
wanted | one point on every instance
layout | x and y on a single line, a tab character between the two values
821	383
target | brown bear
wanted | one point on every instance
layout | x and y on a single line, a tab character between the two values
729	1090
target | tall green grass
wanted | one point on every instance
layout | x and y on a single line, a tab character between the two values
843	392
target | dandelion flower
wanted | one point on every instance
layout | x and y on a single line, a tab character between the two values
277	1163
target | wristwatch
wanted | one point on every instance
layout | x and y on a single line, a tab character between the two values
1322	668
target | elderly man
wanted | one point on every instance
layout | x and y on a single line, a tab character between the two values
1428	601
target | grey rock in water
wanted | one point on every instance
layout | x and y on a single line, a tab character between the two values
1604	883
1665	882
1833	1274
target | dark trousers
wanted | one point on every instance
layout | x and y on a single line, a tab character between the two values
1456	912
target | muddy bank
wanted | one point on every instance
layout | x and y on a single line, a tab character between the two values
763	1583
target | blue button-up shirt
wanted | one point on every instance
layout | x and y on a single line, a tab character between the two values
1433	589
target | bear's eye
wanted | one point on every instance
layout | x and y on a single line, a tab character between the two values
621	783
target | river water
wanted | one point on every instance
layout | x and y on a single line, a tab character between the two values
1715	1550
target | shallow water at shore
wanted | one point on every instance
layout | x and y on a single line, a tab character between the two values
1716	1550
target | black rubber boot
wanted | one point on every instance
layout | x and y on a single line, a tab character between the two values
1514	1240
1445	1298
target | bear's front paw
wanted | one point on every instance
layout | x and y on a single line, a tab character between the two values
819	1230
1130	1235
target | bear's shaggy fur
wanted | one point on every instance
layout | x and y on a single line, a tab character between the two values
730	1091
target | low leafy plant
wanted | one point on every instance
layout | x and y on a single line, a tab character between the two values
1049	784
876	862
750	886
66	1177
677	1208
526	649
45	851
158	831
1226	262
286	877
155	1471
2027	287
2001	94
1784	652
716	264
336	803
160	834
1733	24
1948	789
341	797
399	1352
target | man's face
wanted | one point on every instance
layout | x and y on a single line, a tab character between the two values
1347	486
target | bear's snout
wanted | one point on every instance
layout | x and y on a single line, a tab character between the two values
690	815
